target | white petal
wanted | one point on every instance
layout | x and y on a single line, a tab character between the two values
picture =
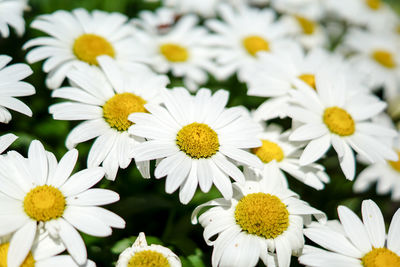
21	243
393	241
374	223
72	241
315	149
94	197
82	180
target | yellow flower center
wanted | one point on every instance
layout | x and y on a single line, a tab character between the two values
262	214
88	47
44	203
117	109
174	52
380	257
253	44
395	164
309	79
339	121
148	258
198	140
268	151
373	4
307	25
28	262
384	58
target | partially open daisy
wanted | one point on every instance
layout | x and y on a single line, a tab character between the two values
11	86
204	8
338	116
242	33
11	13
196	137
38	194
78	36
43	253
280	156
141	254
184	51
378	56
274	75
262	217
362	12
103	100
385	174
362	243
309	32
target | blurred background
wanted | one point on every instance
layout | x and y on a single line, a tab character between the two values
144	205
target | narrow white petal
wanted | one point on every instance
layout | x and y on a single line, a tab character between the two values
21	243
72	241
82	180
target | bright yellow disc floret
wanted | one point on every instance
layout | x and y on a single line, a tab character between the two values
380	257
384	58
339	121
198	140
174	52
44	203
374	4
396	164
117	109
306	25
309	79
269	151
253	44
28	262
148	258
262	214
88	47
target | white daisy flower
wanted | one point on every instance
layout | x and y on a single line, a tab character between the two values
262	217
184	50
78	36
141	254
103	100
43	253
378	57
38	194
158	22
385	174
275	75
362	12
242	33
11	86
12	13
279	155
204	8
333	114
362	243
307	31
195	137
311	9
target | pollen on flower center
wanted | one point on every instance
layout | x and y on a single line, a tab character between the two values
307	25
380	257
174	52
373	4
198	140
395	164
44	203
88	47
268	151
117	109
253	44
339	121
384	58
309	79
28	262
262	214
148	258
